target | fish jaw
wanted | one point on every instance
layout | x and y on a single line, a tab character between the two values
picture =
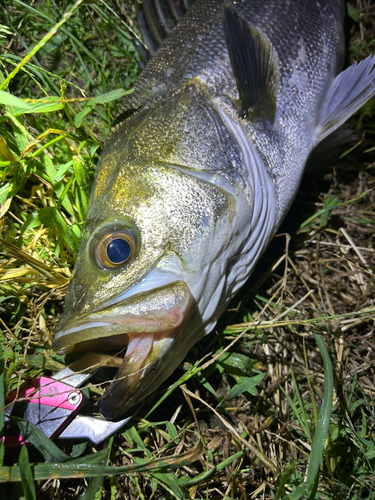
147	325
141	372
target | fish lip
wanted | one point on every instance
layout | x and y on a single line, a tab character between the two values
149	339
164	308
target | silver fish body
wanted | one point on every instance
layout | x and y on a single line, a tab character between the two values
196	176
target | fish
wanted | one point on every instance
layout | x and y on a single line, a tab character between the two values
200	168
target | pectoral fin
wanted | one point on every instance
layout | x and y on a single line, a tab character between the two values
349	91
254	64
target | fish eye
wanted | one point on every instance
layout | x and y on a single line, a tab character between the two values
116	248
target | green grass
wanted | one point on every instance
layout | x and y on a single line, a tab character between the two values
279	401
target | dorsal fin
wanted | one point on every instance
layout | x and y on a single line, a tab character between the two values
254	64
156	20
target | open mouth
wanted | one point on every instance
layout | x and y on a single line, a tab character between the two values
145	325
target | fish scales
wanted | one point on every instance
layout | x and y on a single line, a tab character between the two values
308	38
196	176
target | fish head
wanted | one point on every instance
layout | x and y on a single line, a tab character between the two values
146	279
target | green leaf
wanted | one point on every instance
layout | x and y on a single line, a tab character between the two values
27	475
94	487
45	215
8	99
92	459
322	426
247	384
80	172
110	96
78	449
236	364
136	437
5	192
86	467
170	482
283	480
42	443
42	106
202	379
102	99
40	361
203	476
66	232
298	410
52	453
353	13
78	119
62	171
45	105
329	204
58	187
172	431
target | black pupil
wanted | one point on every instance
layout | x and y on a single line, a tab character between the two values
118	250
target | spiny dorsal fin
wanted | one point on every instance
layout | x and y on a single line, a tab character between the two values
155	22
254	65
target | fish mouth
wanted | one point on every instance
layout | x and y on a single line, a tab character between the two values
145	326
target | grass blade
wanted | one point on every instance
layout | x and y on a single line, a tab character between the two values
7	99
41	442
27	475
39	45
322	427
78	468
